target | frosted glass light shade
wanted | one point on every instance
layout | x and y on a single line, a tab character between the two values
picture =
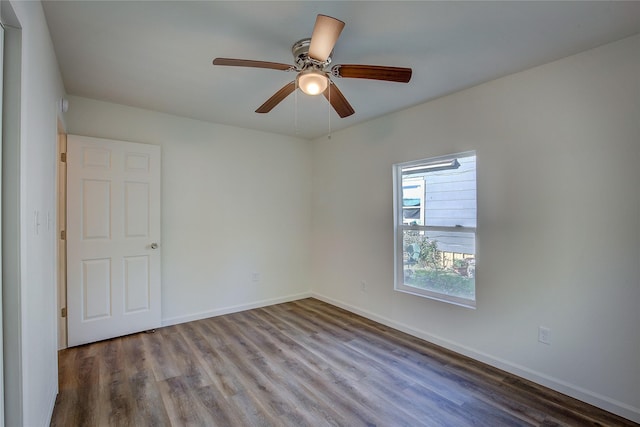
312	82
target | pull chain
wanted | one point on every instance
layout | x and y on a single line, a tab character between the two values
295	109
329	87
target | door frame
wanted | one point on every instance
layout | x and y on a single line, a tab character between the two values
61	201
1	208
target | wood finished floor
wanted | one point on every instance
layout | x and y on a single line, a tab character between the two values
304	363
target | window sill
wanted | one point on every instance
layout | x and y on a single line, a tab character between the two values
438	297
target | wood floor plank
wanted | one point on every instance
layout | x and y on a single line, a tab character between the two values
182	407
160	358
314	407
116	401
272	398
237	355
222	410
79	400
149	409
406	372
209	354
136	357
287	341
187	365
304	363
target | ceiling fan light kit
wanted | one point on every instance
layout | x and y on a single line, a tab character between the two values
312	82
312	57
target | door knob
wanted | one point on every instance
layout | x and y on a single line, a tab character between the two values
154	246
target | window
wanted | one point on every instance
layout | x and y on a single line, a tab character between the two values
435	228
413	201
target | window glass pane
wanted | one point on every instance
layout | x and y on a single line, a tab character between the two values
413	214
439	261
413	200
445	192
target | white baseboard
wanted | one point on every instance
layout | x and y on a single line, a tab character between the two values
232	309
595	399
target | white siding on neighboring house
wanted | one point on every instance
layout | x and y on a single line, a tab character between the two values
451	195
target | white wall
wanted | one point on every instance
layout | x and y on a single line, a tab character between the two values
234	202
558	243
32	366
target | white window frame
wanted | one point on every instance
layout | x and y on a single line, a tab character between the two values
399	226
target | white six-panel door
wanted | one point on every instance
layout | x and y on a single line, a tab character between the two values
113	238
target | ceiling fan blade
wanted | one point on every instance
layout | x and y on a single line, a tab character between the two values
324	37
250	63
374	72
277	98
338	101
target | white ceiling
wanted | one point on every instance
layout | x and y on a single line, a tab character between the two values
157	54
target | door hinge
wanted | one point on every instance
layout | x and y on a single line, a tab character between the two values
63	235
63	312
63	157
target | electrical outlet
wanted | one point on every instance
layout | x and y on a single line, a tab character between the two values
363	286
255	277
544	335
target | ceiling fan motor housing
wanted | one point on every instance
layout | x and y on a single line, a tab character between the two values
300	50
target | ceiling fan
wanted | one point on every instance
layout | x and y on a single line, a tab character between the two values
312	57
